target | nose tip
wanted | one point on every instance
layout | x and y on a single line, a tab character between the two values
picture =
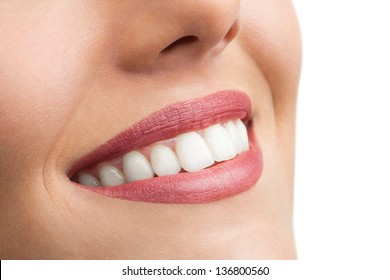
217	26
178	31
211	41
210	24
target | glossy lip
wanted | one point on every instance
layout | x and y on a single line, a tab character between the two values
217	182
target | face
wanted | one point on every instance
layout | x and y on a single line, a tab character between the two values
89	89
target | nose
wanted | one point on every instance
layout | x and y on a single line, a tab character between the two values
152	34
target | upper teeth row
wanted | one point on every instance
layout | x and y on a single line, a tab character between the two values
193	151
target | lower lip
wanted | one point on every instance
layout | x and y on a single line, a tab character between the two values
220	181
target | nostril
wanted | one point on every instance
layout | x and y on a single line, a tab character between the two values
186	40
233	31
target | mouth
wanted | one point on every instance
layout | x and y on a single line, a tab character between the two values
195	151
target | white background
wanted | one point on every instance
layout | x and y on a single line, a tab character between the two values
342	198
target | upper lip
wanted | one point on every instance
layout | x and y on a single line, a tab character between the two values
175	119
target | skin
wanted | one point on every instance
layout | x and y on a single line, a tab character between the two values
73	74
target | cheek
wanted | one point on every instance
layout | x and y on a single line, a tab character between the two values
272	38
43	69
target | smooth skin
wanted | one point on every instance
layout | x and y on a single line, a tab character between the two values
73	74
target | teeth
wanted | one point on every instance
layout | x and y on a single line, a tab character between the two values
241	128
136	167
111	176
232	131
192	152
88	180
164	161
220	145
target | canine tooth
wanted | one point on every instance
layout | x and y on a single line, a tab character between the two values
219	143
193	152
164	161
232	131
111	176
88	180
243	133
136	167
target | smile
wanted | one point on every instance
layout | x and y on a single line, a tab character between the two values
194	151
